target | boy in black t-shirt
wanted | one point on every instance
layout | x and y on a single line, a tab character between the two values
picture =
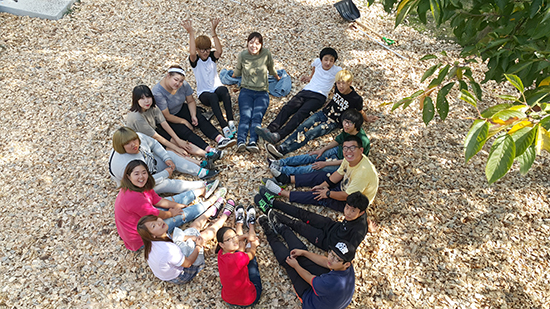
319	230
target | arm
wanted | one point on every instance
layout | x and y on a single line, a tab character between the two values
271	67
238	69
320	260
320	164
321	190
193	256
369	118
307	79
192	105
320	151
251	252
174	208
218	53
192	48
175	119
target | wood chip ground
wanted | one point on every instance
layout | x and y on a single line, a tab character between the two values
446	240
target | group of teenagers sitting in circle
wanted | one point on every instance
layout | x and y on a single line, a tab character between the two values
158	139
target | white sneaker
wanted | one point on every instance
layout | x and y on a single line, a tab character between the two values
226	142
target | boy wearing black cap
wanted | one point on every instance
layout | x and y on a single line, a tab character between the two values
309	99
319	281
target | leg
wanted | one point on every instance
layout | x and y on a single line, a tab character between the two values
313	235
313	102
189	214
183	165
311	179
261	103
302	160
314	220
210	232
288	110
254	276
246	103
187	134
168	185
293	143
211	99
225	97
204	125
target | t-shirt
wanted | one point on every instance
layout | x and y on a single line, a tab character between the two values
236	286
206	74
254	68
342	102
332	290
352	231
145	122
322	80
362	177
165	260
364	140
173	102
130	206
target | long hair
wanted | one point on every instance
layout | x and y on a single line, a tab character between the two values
123	136
258	36
219	236
146	235
127	184
140	92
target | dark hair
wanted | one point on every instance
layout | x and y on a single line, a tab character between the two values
354	116
138	93
125	183
328	51
219	236
123	136
358	200
146	235
256	35
354	138
175	66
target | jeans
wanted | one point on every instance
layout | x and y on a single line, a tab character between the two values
254	276
323	127
301	106
281	252
182	164
252	107
307	197
168	185
189	213
302	164
213	99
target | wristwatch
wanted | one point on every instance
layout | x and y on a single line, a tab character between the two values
328	193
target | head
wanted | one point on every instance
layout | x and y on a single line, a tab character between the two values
126	140
344	78
175	76
352	120
137	177
356	205
254	43
227	240
142	99
328	57
204	45
152	228
340	255
352	149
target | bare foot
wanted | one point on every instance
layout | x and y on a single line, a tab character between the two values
373	226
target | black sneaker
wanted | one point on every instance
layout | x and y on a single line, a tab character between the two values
275	223
267	195
264	223
252	147
262	204
273	151
210	174
226	142
214	155
208	164
267	135
241	147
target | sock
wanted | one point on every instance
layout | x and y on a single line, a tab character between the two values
210	149
227	212
219	138
231	124
202	172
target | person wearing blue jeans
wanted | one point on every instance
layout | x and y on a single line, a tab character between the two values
304	164
252	107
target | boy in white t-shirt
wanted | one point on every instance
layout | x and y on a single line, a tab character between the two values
309	99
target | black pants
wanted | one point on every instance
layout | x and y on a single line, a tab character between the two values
281	252
301	106
312	226
213	99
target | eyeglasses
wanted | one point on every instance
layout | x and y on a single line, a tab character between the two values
350	148
334	257
205	50
230	238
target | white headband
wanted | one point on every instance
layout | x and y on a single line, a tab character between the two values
176	70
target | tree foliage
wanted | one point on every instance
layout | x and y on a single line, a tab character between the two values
513	38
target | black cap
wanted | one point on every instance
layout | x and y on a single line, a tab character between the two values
329	51
344	250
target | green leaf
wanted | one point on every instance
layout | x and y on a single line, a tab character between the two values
416	94
444	53
476	88
442	106
515	81
401	102
488	113
523	138
506	114
403	9
536	5
501	157
462	85
428	57
428	111
466	96
526	160
508	97
436	10
475	139
442	73
545	122
429	72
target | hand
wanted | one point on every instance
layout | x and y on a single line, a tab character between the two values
319	188
296	253
277	77
194	121
371	118
292	262
320	194
319	165
215	22
183	144
171	164
305	79
199	241
180	151
317	152
170	170
175	211
185	122
187	25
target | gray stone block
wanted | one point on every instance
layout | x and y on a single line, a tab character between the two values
48	9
